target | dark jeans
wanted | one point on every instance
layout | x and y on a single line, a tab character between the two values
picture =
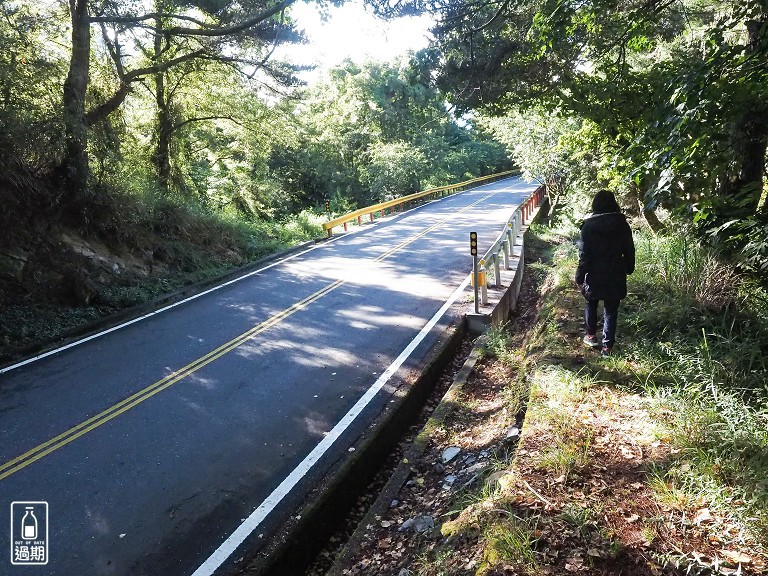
610	316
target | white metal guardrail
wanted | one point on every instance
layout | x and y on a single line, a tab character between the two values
502	250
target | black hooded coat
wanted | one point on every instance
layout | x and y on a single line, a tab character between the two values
606	256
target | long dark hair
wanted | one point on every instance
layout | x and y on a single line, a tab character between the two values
604	202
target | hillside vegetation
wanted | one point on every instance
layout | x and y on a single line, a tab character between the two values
146	145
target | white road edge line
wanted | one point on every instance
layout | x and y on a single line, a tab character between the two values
250	524
158	311
189	299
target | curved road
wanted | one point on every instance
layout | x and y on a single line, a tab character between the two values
161	445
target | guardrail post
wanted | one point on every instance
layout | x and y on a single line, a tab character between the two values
497	269
345	226
359	220
483	284
505	248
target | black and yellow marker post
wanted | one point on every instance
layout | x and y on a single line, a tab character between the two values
473	251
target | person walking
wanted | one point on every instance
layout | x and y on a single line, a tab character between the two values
606	257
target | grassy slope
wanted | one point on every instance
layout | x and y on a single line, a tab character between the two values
72	276
652	462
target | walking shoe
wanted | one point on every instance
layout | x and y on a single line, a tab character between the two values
591	341
605	352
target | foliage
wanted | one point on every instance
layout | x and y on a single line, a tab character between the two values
671	98
538	142
376	131
395	169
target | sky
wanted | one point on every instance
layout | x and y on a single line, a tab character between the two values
352	32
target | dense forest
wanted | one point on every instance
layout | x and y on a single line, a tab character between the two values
148	143
663	102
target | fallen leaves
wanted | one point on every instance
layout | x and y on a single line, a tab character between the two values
702	516
737	557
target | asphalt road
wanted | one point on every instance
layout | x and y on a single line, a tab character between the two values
160	445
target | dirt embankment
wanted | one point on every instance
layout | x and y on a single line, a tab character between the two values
56	281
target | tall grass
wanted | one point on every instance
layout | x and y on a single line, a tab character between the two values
694	313
698	334
682	267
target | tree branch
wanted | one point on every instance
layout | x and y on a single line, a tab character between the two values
180	125
145	17
114	51
235	28
105	109
495	17
102	111
204	29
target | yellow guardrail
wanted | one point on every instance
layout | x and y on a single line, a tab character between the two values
357	214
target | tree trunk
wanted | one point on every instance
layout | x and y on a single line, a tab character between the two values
161	156
7	101
75	163
554	193
637	195
750	141
753	160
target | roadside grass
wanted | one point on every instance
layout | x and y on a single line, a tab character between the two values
511	540
654	461
170	245
707	370
651	462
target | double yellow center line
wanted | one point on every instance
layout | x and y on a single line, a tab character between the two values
42	450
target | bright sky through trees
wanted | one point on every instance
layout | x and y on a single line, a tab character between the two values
352	32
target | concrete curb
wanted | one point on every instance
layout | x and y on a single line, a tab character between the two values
502	300
403	471
303	534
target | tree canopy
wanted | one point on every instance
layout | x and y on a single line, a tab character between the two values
673	92
185	101
665	102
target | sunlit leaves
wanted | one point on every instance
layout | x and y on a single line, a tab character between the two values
378	130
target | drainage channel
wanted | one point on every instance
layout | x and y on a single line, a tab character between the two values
312	547
325	558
